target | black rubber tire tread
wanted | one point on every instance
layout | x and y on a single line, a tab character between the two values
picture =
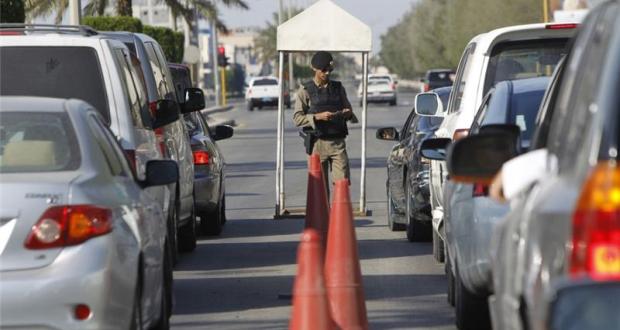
472	311
187	235
211	222
451	284
438	248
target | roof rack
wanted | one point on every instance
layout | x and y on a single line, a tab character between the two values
81	29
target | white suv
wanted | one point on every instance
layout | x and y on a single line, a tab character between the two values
515	52
263	91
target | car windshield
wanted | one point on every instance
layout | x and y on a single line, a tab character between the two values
378	82
37	142
265	82
61	72
379	77
440	76
522	60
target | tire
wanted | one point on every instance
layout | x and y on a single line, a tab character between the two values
168	282
472	311
394	226
187	235
393	103
211	222
136	315
250	106
164	319
451	284
417	231
173	240
223	209
438	247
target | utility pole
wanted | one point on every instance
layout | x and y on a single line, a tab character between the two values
75	12
215	69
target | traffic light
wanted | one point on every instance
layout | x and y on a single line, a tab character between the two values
222	60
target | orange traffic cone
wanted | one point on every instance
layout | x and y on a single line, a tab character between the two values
343	277
310	306
317	207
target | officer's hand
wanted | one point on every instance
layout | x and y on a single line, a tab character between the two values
323	116
347	113
496	190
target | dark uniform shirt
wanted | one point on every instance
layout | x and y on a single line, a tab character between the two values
302	118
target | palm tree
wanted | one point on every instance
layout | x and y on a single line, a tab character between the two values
36	8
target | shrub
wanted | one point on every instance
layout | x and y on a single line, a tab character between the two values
113	23
171	42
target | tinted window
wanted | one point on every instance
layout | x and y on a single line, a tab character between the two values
181	80
523	110
129	85
378	83
380	77
429	123
63	72
158	73
459	87
265	82
521	60
439	76
37	142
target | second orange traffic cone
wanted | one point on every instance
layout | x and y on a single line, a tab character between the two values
317	207
343	276
310	306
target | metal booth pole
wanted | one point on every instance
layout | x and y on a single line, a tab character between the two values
280	142
364	112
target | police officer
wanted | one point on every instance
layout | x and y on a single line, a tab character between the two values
322	104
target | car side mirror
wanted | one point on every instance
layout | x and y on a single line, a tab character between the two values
223	132
388	134
166	112
435	149
194	100
583	304
160	172
429	105
478	158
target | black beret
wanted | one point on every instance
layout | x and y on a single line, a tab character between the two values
322	60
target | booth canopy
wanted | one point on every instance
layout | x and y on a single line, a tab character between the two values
324	26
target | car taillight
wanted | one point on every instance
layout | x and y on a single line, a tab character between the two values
131	157
459	134
201	157
480	190
69	225
561	26
596	226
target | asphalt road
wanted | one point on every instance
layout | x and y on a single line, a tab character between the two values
233	281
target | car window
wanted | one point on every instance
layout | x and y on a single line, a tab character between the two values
181	80
404	132
37	142
129	86
62	72
193	125
203	122
523	59
114	161
463	72
477	123
428	123
524	108
378	82
545	115
265	82
439	76
158	73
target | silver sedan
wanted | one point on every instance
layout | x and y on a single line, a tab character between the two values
81	240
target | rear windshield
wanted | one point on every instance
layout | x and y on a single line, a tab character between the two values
62	72
265	82
380	77
37	142
440	76
376	82
521	60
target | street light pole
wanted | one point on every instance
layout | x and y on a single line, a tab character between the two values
291	79
75	12
214	66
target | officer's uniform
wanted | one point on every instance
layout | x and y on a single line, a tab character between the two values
331	147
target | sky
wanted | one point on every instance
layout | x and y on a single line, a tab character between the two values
378	14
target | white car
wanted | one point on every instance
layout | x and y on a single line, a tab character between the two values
264	91
515	52
380	90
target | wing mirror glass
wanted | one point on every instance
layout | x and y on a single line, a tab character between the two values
428	104
194	100
160	172
478	158
388	134
166	112
584	304
435	149
223	132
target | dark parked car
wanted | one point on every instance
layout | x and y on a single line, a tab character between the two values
408	174
209	165
437	78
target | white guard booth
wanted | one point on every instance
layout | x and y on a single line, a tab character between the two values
322	26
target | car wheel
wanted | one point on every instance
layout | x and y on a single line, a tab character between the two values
211	222
223	209
136	315
168	282
187	234
472	311
417	231
164	318
394	226
393	102
250	106
173	233
438	247
450	278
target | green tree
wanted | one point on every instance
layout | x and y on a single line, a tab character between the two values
12	11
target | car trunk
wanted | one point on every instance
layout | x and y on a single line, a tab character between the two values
25	197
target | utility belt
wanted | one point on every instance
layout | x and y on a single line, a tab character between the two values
310	136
